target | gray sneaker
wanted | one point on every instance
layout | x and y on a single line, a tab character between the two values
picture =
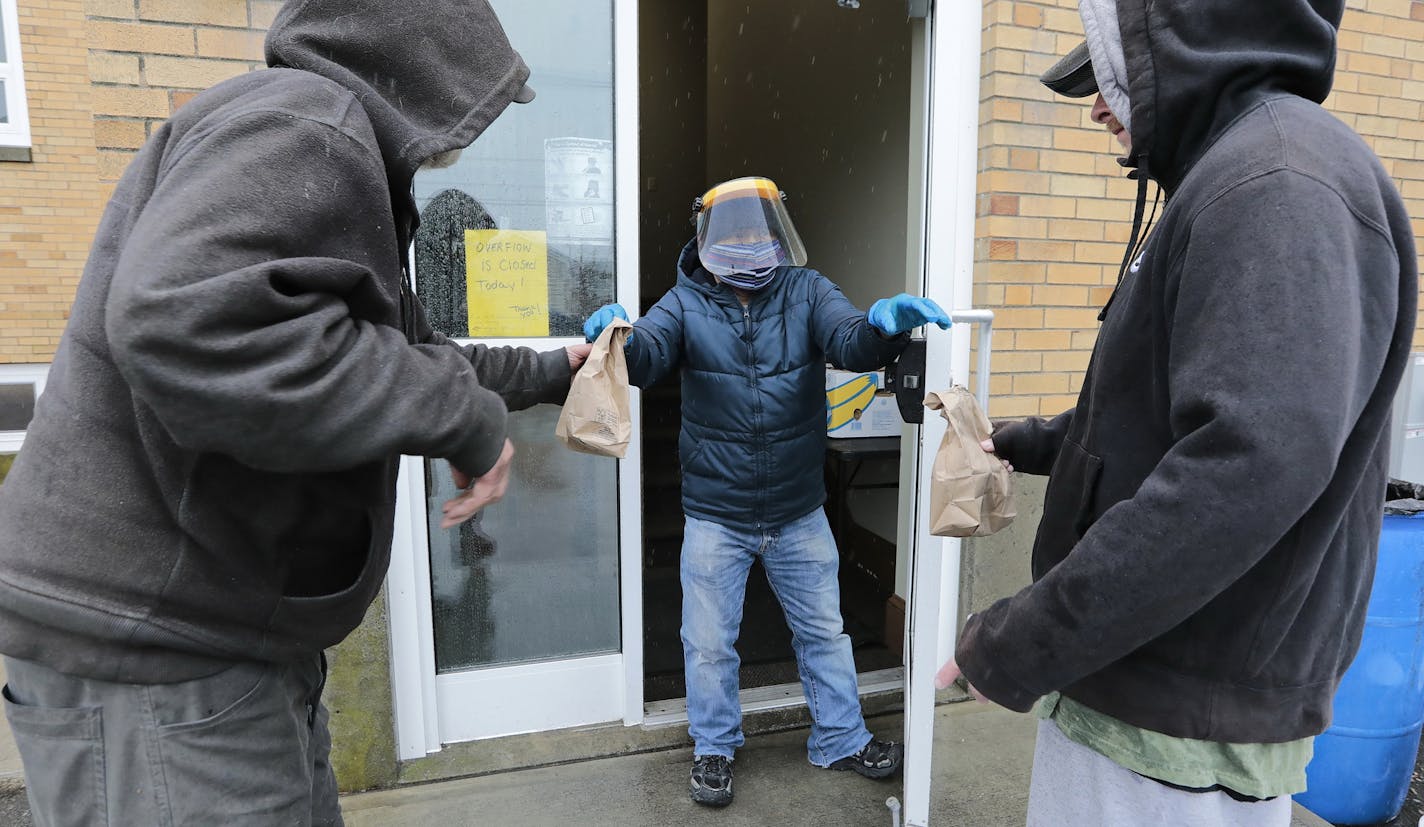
710	782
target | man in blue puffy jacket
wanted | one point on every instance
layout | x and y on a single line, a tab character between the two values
751	331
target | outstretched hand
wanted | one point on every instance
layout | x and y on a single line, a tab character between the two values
988	446
477	492
949	673
578	354
903	313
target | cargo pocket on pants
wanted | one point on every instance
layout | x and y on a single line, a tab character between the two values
63	753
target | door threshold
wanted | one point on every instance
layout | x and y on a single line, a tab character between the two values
673	711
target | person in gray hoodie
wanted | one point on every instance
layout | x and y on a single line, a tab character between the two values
1203	564
206	496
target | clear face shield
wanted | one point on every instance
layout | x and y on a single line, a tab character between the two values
744	233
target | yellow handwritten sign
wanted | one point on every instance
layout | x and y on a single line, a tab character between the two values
507	282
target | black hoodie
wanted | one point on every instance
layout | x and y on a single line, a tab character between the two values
210	473
1213	508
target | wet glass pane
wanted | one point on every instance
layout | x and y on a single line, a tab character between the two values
535	576
4	106
3	24
516	239
17	406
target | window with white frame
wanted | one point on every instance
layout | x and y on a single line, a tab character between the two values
14	113
20	388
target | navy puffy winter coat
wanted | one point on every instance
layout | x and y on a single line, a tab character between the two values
753	438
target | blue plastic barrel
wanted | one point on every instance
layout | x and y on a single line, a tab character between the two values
1362	766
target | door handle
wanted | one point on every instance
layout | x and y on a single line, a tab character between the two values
907	377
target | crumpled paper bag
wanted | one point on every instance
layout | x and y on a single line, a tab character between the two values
969	491
597	416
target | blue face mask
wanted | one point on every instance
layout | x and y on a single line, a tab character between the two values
754	280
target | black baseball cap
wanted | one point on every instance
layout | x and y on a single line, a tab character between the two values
1073	75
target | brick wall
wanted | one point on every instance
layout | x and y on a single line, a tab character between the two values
50	205
100	75
149	57
1055	212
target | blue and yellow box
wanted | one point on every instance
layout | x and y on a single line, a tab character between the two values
858	406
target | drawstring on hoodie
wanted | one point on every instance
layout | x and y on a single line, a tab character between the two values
1138	238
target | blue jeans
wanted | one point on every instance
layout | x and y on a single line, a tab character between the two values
801	564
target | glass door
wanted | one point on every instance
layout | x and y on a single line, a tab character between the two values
950	47
515	621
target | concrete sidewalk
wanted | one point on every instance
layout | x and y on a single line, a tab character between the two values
982	757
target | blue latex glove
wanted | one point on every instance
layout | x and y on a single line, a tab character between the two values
601	318
902	313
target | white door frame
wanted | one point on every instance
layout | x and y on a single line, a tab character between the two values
598	688
952	68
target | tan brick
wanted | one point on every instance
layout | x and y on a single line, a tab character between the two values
116	134
1007	226
1075	274
1053	113
1053	405
1012	407
1015	134
1018	295
1059	296
140	37
1035	383
1028	16
1073	163
1024	40
1023	159
1016	362
1390	8
1381	87
109	8
190	72
1015	272
209	12
1366	63
1003	249
1046	206
1074	230
1033	183
1045	340
113	163
1384	45
1004	205
1084	140
134	103
231	43
264	12
1069	361
1086	186
108	67
1005	109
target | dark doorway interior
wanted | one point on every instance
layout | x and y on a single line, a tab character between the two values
817	98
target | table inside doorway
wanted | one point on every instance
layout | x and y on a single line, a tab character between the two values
867	551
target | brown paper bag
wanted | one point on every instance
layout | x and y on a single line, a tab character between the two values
597	416
969	493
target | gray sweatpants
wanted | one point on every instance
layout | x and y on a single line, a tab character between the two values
248	745
1074	786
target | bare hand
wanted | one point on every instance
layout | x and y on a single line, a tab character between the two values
988	446
948	673
578	354
478	492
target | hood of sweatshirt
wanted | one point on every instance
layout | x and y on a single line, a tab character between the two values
1194	68
431	74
